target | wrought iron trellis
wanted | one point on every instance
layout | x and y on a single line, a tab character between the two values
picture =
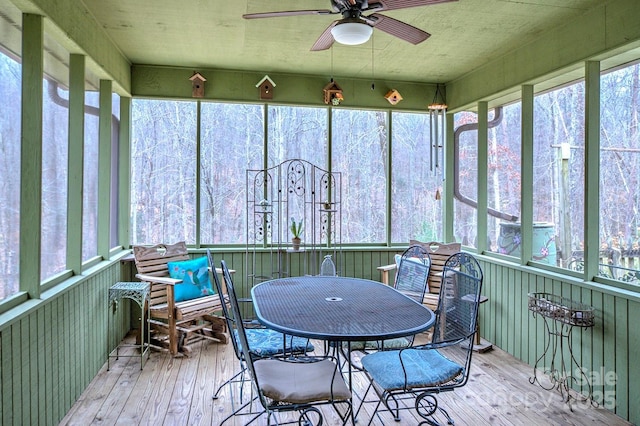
294	189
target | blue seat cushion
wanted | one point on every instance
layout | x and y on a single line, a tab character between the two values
424	368
266	342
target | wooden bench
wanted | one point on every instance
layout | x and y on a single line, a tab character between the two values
439	253
176	325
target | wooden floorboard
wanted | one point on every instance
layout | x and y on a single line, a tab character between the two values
178	391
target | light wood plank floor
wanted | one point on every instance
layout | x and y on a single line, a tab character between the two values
178	391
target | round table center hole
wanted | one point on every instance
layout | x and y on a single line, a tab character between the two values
333	299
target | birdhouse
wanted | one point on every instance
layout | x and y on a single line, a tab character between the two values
393	96
197	82
265	87
333	93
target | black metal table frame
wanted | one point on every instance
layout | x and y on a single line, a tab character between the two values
342	309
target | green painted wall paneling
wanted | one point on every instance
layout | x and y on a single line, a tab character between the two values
237	86
609	345
51	353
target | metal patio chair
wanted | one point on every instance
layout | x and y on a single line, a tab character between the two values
297	384
420	372
263	342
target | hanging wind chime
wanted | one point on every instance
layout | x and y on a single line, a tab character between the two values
437	111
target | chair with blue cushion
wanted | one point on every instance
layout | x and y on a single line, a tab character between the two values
182	302
420	372
263	342
411	280
289	384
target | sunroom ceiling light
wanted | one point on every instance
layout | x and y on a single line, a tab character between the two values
351	33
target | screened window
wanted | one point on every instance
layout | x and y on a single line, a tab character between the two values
415	185
55	137
297	132
55	143
465	221
558	177
115	152
10	91
504	182
232	141
620	175
359	150
90	175
163	171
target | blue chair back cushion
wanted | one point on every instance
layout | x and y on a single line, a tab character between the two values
265	342
194	274
424	368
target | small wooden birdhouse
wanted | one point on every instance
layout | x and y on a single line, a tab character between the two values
265	87
393	96
333	93
197	82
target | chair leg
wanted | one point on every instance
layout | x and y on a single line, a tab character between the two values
228	382
426	406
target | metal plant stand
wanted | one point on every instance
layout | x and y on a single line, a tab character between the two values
139	293
561	316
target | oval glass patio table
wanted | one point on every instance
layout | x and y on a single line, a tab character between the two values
338	309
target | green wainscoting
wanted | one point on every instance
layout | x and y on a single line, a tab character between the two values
52	348
606	349
52	351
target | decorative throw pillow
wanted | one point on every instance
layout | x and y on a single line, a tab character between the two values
194	274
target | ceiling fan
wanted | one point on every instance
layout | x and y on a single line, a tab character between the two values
356	28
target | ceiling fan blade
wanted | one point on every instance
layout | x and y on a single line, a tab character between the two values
398	28
325	40
404	4
287	13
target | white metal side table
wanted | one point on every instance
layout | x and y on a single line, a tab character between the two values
139	293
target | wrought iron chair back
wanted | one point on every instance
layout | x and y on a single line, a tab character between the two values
442	365
263	342
293	384
413	272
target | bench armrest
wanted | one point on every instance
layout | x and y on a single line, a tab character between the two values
384	272
159	280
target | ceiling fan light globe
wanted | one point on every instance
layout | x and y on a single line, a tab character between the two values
351	33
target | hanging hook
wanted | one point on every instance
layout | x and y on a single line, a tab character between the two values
373	83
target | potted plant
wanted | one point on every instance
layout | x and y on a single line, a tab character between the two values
296	231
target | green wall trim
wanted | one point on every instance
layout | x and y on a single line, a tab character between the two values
592	166
483	158
526	167
75	162
611	27
124	172
239	86
104	168
31	154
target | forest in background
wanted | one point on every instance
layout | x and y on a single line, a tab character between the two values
169	167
